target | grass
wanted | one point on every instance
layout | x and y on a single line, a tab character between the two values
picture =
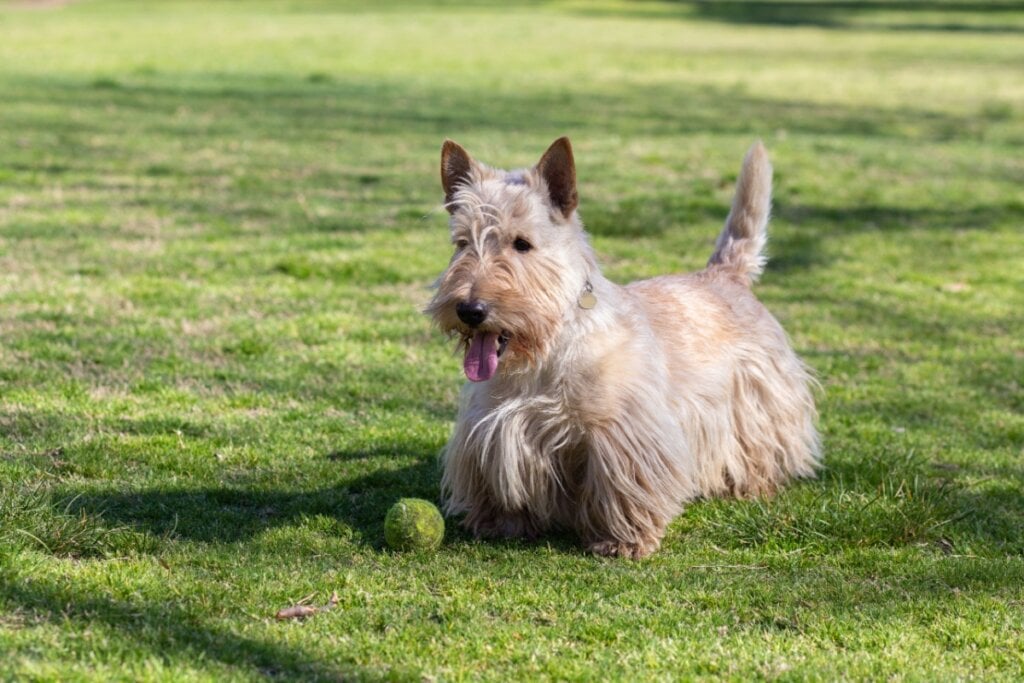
218	223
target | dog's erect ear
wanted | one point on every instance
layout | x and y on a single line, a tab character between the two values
558	170
455	167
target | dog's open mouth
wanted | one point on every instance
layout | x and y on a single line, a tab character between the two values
482	354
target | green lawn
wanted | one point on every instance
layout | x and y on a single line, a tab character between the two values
219	222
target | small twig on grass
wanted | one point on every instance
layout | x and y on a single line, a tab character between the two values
301	611
726	566
304	205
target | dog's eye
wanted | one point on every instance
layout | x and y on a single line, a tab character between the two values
521	245
461	244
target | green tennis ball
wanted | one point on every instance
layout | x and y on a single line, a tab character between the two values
413	524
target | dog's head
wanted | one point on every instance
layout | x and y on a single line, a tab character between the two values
521	260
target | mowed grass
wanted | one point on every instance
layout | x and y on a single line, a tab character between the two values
219	222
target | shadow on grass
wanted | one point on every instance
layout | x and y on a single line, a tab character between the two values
894	15
229	514
653	215
166	629
890	499
802	250
237	514
291	110
987	514
996	515
898	218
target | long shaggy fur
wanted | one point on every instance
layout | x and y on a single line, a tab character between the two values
608	419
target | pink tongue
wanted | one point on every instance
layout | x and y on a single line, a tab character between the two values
481	357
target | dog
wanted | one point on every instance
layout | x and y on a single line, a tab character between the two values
602	408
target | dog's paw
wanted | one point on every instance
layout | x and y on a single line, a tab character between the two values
516	525
629	550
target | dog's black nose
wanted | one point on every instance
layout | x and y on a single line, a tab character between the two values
471	312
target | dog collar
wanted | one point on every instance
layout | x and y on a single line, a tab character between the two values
587	299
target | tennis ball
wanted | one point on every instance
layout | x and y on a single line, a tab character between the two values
413	524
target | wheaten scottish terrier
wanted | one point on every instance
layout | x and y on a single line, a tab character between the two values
598	407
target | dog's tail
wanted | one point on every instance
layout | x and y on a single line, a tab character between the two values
740	247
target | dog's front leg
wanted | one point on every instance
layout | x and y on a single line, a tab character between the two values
487	521
478	482
635	483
